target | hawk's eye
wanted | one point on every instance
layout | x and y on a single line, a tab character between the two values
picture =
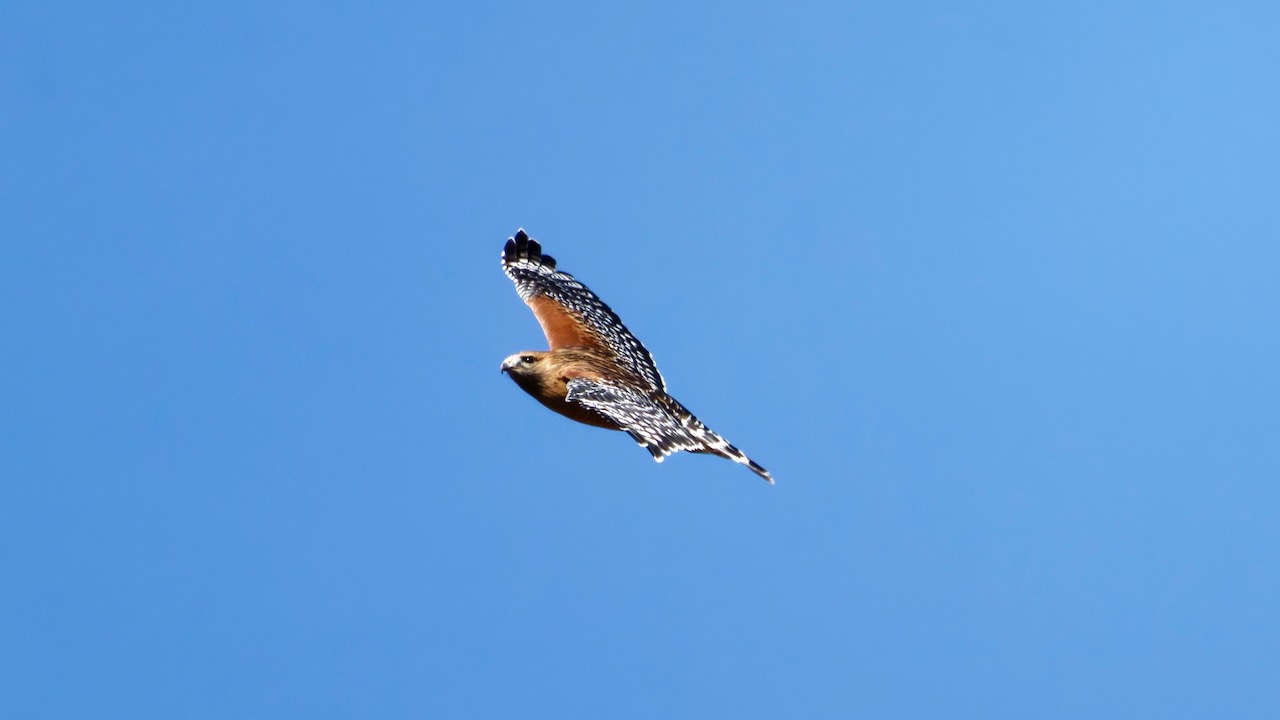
526	359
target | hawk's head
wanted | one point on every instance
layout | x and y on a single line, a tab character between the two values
527	369
523	365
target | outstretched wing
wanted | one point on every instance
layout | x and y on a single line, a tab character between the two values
657	422
569	313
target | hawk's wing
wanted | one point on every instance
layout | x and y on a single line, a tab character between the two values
570	314
656	421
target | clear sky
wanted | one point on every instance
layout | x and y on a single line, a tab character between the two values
990	288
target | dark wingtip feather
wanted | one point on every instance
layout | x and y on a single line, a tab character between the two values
518	248
757	469
521	247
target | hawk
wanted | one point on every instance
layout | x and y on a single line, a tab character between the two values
596	372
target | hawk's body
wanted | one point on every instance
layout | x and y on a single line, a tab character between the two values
596	371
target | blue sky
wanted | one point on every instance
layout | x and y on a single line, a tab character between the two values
989	288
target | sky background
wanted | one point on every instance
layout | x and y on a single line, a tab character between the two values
990	288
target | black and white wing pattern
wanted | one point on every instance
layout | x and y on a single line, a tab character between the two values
570	314
656	421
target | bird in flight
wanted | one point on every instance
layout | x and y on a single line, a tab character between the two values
596	372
